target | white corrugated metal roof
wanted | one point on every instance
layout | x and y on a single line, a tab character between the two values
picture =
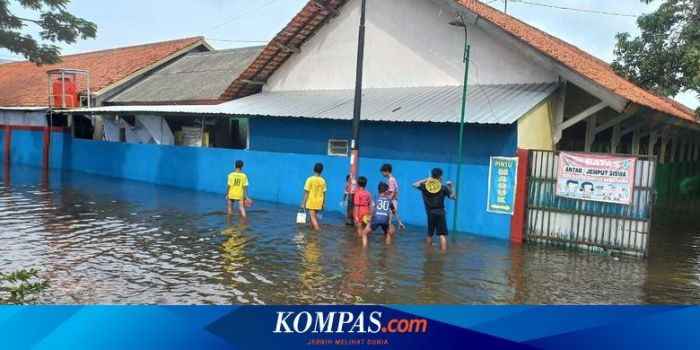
486	104
19	108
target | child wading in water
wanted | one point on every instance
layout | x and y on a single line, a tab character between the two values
434	194
382	214
237	190
361	203
347	200
315	195
393	191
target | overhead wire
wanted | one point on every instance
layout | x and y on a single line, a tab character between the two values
559	7
483	91
240	16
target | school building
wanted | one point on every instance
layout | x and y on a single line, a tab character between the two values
291	106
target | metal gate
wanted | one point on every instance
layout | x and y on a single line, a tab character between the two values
575	223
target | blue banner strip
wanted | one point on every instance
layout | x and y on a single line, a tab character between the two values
362	326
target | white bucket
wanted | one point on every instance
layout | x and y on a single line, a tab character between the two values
301	216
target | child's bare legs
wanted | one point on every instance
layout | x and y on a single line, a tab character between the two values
429	240
241	208
443	242
364	233
314	221
229	209
359	227
390	231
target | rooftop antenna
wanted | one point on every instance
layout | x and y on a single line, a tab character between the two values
505	9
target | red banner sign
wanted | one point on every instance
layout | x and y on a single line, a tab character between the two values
594	177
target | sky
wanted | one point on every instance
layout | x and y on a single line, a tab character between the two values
236	23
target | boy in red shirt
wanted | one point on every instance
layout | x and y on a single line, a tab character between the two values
361	205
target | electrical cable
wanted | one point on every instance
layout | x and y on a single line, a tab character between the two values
483	91
240	16
609	13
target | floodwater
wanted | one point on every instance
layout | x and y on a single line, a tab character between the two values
109	241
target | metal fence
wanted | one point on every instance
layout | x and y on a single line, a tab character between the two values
576	223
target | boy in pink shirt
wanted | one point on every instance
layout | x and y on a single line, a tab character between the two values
393	192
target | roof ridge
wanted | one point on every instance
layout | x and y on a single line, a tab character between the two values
192	38
491	14
122	48
214	52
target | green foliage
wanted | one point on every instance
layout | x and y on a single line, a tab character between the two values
665	57
690	186
55	24
20	286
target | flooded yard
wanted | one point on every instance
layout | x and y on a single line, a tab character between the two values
110	241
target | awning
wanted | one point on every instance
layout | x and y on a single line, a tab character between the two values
486	104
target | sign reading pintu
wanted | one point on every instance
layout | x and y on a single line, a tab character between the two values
501	194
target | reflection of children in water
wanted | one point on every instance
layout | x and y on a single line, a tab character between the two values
355	265
233	249
432	280
311	275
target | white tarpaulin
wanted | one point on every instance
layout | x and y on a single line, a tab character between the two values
111	130
157	128
146	129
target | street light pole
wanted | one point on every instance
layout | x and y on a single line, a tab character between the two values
355	142
467	48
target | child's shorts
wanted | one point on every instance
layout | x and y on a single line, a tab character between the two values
437	224
361	213
385	227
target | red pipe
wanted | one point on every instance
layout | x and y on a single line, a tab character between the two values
517	223
47	148
8	143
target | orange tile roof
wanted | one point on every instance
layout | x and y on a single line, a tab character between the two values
304	25
578	60
312	17
23	84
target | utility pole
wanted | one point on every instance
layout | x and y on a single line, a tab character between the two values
467	50
355	142
505	9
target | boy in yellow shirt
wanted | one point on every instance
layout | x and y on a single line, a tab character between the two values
237	189
315	195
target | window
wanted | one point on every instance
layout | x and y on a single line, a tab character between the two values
338	148
219	132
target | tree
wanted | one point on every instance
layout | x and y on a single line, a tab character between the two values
21	286
55	25
665	57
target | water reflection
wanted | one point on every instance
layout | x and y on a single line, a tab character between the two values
104	240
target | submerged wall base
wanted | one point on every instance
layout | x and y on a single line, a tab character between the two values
277	177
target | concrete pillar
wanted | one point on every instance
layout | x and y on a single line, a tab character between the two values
98	124
662	147
590	132
674	151
635	142
615	140
559	116
682	149
652	142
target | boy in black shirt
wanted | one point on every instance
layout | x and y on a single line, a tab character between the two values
434	194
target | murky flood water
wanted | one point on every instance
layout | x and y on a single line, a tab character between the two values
104	240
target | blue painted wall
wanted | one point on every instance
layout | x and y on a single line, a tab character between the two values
2	144
278	167
436	142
